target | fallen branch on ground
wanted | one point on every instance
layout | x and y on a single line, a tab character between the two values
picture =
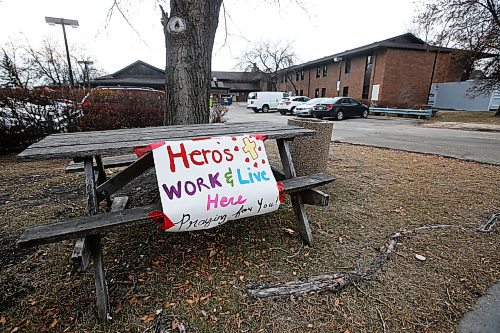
327	282
337	281
490	223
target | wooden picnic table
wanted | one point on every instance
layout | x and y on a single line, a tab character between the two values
87	147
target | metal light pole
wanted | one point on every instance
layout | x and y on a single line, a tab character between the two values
63	22
339	60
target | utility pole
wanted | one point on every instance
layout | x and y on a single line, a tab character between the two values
86	64
63	22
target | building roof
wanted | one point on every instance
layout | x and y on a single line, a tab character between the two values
136	70
140	73
218	84
244	86
404	41
130	81
235	76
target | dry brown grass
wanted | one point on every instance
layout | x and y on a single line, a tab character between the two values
486	117
201	277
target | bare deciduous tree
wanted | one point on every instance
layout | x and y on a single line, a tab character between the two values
25	66
471	25
12	73
189	27
189	31
268	58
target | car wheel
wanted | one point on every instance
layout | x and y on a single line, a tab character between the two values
256	110
282	112
265	108
339	115
365	114
319	117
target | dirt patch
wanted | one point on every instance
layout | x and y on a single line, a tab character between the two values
9	254
201	278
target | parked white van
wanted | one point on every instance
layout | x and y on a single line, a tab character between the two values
265	100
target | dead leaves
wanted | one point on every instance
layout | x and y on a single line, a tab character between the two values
147	318
196	299
54	323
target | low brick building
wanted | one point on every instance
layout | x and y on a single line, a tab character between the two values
141	74
239	83
397	71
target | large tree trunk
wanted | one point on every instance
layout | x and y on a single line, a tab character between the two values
189	39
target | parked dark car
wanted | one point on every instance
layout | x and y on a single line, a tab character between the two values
340	108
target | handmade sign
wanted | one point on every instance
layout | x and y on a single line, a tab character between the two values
204	183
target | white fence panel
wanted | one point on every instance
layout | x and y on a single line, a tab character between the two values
454	95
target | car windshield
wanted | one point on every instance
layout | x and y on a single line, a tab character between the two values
314	101
330	100
252	95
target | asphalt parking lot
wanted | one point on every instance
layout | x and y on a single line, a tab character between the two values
398	133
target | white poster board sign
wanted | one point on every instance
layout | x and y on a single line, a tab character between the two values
205	183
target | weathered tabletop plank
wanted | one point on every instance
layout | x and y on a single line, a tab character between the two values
80	144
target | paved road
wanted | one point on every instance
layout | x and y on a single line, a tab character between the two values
485	317
399	133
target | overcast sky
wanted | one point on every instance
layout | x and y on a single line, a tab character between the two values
323	28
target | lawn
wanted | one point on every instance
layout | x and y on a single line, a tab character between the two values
200	279
480	117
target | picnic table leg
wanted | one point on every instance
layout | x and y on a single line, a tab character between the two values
95	244
298	206
101	175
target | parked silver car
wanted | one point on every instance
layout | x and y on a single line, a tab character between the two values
305	110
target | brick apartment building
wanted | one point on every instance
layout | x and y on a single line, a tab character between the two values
397	71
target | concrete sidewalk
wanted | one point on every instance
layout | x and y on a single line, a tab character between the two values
485	318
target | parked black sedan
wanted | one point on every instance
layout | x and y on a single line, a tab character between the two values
340	108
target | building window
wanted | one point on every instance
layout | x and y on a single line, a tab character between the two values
302	74
345	92
284	78
366	91
296	92
296	76
368	63
318	71
325	70
301	92
323	92
348	66
316	93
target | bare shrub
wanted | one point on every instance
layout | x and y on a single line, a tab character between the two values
28	115
113	108
218	113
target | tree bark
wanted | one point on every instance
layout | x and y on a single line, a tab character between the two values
189	39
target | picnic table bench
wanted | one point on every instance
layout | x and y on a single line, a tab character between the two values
86	150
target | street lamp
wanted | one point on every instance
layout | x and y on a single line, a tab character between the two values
339	60
63	22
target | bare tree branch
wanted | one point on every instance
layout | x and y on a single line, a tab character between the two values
470	25
268	58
